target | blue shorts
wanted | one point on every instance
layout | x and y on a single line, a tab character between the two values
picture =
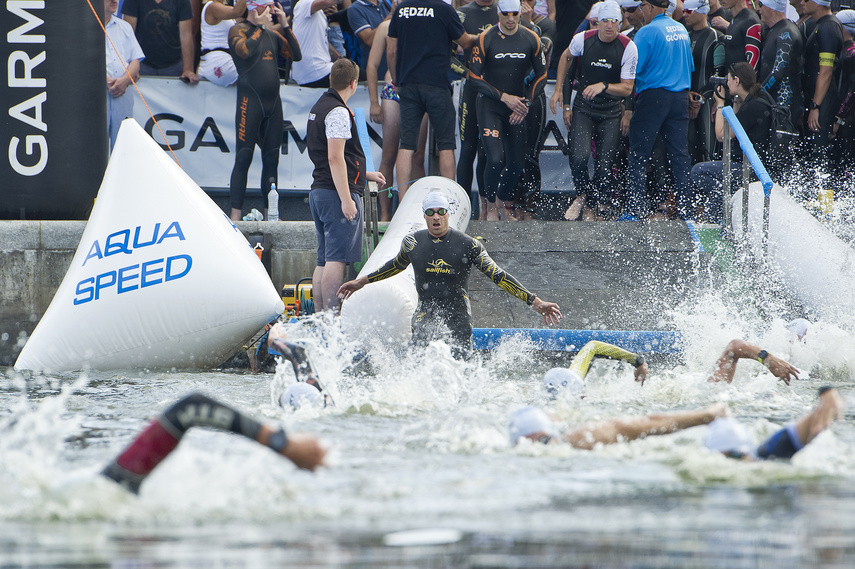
783	444
339	240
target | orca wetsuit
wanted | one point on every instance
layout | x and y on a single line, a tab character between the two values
500	64
258	116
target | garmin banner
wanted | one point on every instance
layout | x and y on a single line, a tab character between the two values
199	124
53	125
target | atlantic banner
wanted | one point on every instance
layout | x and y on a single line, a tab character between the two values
53	125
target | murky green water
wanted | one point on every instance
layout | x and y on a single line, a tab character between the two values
420	443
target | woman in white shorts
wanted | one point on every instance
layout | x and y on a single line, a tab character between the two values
216	64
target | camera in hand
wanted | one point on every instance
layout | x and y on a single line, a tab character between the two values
716	82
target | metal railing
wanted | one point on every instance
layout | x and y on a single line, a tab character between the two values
750	161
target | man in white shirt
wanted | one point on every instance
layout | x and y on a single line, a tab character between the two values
310	28
121	39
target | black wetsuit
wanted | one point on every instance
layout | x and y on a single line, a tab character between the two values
743	38
597	119
258	116
476	19
441	266
708	55
781	66
500	64
162	435
825	43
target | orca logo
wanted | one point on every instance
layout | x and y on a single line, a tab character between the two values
511	55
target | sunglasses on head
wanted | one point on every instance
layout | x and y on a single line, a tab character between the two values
510	13
430	211
630	10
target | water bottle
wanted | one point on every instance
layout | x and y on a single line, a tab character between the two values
273	203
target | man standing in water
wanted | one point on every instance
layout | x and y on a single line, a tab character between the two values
442	259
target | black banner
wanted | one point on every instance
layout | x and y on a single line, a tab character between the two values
53	124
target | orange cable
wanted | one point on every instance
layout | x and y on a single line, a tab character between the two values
100	23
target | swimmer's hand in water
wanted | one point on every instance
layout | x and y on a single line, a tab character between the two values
829	409
305	451
641	373
347	289
549	310
781	369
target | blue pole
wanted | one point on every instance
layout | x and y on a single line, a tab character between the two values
748	150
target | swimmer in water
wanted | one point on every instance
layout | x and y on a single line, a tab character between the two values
572	379
162	436
725	434
308	388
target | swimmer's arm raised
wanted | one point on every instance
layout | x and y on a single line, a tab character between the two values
596	348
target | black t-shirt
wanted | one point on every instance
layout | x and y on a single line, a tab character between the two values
827	38
424	30
477	19
742	39
568	15
157	28
755	116
723	12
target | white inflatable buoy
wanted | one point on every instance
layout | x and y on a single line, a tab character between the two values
815	265
161	278
384	309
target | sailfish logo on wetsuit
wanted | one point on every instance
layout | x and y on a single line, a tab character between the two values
439	266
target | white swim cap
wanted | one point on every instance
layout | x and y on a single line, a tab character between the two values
699	6
847	18
299	394
529	420
672	5
610	10
437	200
798	328
630	3
509	5
726	435
563	380
594	14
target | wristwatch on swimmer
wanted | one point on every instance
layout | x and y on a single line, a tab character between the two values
812	105
606	86
761	356
639	361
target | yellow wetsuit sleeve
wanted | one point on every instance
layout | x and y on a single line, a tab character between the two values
503	279
595	348
397	265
